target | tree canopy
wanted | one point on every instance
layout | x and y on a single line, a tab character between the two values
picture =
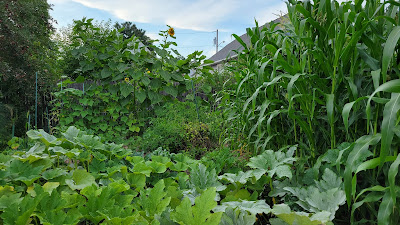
25	48
130	29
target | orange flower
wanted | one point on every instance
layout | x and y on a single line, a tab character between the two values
171	31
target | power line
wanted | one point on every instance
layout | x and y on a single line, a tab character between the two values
178	33
194	46
197	32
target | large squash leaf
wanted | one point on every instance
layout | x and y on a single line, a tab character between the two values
199	214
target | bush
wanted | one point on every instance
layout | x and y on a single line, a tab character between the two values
224	160
176	128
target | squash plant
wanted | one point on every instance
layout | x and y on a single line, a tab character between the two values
124	80
77	178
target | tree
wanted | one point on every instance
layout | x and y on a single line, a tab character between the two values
130	29
25	48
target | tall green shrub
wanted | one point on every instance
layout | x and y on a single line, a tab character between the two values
26	48
124	80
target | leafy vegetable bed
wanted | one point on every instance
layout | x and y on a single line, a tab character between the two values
78	179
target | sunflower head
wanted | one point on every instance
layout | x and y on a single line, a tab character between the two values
171	31
126	79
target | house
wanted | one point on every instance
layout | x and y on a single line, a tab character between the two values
229	51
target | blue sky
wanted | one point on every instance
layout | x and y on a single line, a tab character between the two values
195	21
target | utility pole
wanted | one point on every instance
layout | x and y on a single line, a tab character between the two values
216	43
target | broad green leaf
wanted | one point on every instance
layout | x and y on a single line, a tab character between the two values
42	136
80	180
136	180
59	217
50	186
201	178
21	212
53	173
142	168
154	97
106	72
165	75
177	76
253	207
121	67
237	217
171	90
154	201
325	196
179	166
156	83
329	180
146	81
241	177
140	96
126	89
24	171
199	214
273	163
156	166
283	212
71	133
8	197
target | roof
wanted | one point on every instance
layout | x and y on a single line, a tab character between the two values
229	50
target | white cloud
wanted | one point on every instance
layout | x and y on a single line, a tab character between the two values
58	1
271	13
153	36
196	15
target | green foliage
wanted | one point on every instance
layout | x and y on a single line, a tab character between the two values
25	48
76	178
202	179
200	212
237	217
129	29
283	212
6	116
124	80
254	208
273	163
223	159
177	129
326	196
327	68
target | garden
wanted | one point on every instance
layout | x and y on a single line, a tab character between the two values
301	128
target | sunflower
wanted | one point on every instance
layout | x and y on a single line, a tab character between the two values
126	79
171	31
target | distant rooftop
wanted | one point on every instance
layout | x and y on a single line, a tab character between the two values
229	50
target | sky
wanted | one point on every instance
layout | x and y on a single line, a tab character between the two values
195	21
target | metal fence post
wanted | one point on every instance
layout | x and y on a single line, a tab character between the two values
36	100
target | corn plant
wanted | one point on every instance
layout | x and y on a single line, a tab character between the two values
325	76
